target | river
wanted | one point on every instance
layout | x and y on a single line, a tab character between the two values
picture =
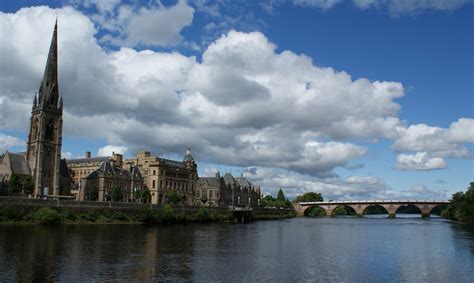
339	249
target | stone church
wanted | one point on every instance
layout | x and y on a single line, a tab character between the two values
49	173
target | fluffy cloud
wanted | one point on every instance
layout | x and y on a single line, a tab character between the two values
397	7
433	144
108	150
154	25
419	161
321	4
242	104
7	142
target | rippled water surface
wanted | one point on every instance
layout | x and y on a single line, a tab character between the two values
303	249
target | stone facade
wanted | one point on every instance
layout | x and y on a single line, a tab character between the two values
100	184
163	175
227	191
209	191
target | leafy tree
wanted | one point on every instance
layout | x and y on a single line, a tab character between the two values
14	185
461	206
117	194
91	193
315	211
281	196
167	214
311	196
173	197
29	185
145	195
47	215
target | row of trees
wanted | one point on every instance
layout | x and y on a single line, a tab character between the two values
279	201
461	206
18	185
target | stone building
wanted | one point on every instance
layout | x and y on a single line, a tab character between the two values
82	167
45	135
209	191
163	175
100	183
227	191
240	192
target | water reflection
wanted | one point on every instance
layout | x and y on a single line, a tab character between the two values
323	249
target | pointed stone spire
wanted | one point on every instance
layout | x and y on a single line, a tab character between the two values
35	101
49	83
60	102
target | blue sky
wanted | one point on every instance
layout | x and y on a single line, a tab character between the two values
354	99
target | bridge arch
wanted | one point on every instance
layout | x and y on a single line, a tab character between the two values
408	209
315	210
343	209
375	209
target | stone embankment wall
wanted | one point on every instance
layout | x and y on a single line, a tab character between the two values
31	204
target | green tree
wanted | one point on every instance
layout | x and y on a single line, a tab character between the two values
166	214
173	197
117	194
91	193
461	206
145	195
29	185
311	196
14	184
47	215
281	196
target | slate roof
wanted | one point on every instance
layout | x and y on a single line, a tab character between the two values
211	181
173	163
108	168
89	160
229	179
18	163
243	182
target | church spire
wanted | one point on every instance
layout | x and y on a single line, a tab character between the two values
49	84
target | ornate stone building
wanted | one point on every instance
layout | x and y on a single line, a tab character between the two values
82	167
45	136
227	191
163	175
100	184
210	191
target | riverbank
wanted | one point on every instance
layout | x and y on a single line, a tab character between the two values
67	212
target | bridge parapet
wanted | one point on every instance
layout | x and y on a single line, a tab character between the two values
425	206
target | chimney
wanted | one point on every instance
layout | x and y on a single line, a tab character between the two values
118	159
88	154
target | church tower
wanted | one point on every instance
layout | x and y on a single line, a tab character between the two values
44	139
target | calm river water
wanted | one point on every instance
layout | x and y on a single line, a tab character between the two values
297	250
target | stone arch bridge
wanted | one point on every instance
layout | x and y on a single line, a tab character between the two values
425	206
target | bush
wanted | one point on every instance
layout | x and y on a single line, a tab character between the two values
203	215
89	216
46	215
9	212
166	214
147	215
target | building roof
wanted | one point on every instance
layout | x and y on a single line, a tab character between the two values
108	168
211	181
172	163
229	179
89	160
18	163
